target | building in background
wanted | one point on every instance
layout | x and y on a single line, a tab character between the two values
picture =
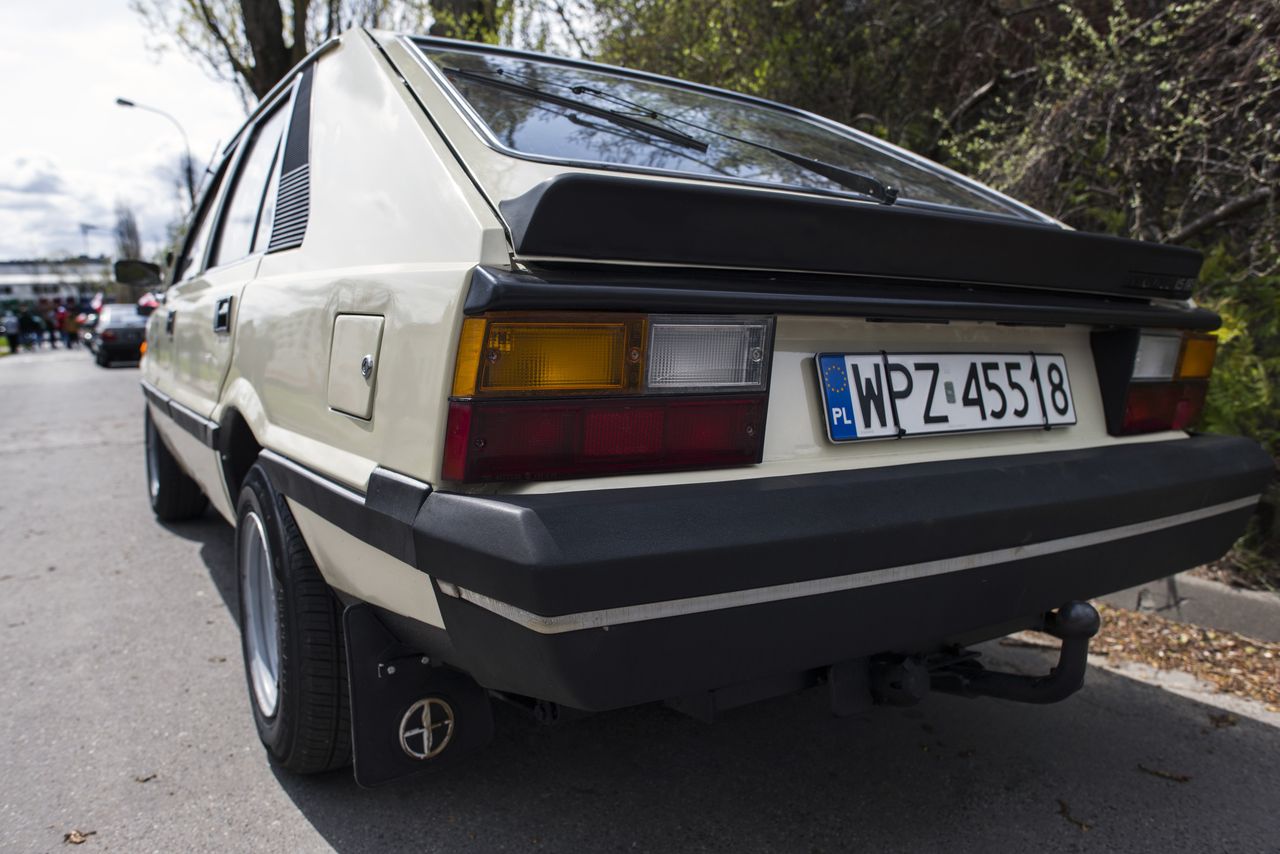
49	282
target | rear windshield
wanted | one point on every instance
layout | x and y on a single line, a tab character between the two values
122	315
528	123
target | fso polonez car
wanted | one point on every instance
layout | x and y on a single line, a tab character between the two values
534	380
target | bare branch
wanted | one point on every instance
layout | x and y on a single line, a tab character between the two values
1223	212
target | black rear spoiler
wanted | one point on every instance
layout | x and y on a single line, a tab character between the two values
617	218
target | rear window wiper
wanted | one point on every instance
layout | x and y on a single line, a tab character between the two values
497	81
847	178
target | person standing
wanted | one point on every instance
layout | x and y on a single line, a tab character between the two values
70	329
11	331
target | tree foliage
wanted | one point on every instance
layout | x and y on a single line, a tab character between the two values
253	43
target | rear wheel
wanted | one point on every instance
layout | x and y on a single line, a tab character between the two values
291	634
102	360
174	495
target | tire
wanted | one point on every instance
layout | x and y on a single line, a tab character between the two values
298	698
175	497
102	360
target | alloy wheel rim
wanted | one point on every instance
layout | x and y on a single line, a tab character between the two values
261	619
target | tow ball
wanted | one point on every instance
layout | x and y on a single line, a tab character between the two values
1074	623
899	680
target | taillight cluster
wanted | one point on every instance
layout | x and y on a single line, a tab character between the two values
1153	381
540	396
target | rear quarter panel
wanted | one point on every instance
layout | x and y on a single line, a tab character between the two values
395	229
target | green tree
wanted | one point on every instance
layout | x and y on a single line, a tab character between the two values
253	43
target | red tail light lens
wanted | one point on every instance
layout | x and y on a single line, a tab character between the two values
518	440
1163	406
108	335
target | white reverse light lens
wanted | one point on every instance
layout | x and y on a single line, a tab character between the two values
709	353
1157	357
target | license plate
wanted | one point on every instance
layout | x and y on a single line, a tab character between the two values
896	395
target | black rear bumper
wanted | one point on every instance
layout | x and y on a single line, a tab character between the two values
608	598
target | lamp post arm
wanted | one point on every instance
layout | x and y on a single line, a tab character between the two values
186	143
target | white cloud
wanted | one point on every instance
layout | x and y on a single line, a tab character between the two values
68	153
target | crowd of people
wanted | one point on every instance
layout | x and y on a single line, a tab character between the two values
30	328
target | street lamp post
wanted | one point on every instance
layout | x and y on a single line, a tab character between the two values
186	164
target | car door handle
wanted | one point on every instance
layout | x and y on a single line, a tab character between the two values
222	315
168	321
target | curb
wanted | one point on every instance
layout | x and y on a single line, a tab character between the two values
1188	598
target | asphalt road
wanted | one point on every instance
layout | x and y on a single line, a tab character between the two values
121	664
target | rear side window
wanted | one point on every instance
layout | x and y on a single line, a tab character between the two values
240	213
192	260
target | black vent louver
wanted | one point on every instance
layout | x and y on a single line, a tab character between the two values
293	199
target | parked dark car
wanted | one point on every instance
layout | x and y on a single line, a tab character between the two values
117	334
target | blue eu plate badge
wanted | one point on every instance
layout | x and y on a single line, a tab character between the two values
835	394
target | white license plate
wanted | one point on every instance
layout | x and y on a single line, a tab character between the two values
895	395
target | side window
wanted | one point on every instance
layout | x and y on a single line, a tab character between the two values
268	215
240	212
192	259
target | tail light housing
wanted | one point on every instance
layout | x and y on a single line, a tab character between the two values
539	396
1153	380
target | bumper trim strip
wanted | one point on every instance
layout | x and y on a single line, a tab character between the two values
870	578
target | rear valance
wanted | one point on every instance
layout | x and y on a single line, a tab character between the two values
619	218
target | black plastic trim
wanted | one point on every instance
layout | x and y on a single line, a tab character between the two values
620	218
567	553
293	195
192	422
546	288
658	659
381	518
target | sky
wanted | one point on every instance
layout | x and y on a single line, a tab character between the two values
68	153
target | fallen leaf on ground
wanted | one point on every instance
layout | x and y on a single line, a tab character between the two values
1224	719
1065	812
1167	775
78	837
1220	658
146	779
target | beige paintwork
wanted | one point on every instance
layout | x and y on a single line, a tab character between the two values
355	567
396	227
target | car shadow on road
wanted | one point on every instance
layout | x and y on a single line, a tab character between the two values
1121	765
1125	763
217	552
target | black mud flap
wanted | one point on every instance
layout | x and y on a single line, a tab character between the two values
408	714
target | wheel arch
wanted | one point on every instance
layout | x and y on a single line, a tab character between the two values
238	451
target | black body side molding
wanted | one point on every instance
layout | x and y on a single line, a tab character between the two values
197	425
619	218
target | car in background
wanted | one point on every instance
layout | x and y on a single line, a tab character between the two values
116	335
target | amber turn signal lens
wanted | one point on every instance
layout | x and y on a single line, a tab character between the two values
530	355
469	345
142	349
1198	352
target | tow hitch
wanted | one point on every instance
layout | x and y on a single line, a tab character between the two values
1075	623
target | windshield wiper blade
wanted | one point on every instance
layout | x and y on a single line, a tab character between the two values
669	134
849	179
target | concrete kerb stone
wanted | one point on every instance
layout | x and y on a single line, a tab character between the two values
1190	599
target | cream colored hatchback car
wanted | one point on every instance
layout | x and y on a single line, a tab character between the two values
540	381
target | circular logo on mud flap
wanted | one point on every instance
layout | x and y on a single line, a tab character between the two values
427	728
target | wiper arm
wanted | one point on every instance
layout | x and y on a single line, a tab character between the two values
669	134
847	178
